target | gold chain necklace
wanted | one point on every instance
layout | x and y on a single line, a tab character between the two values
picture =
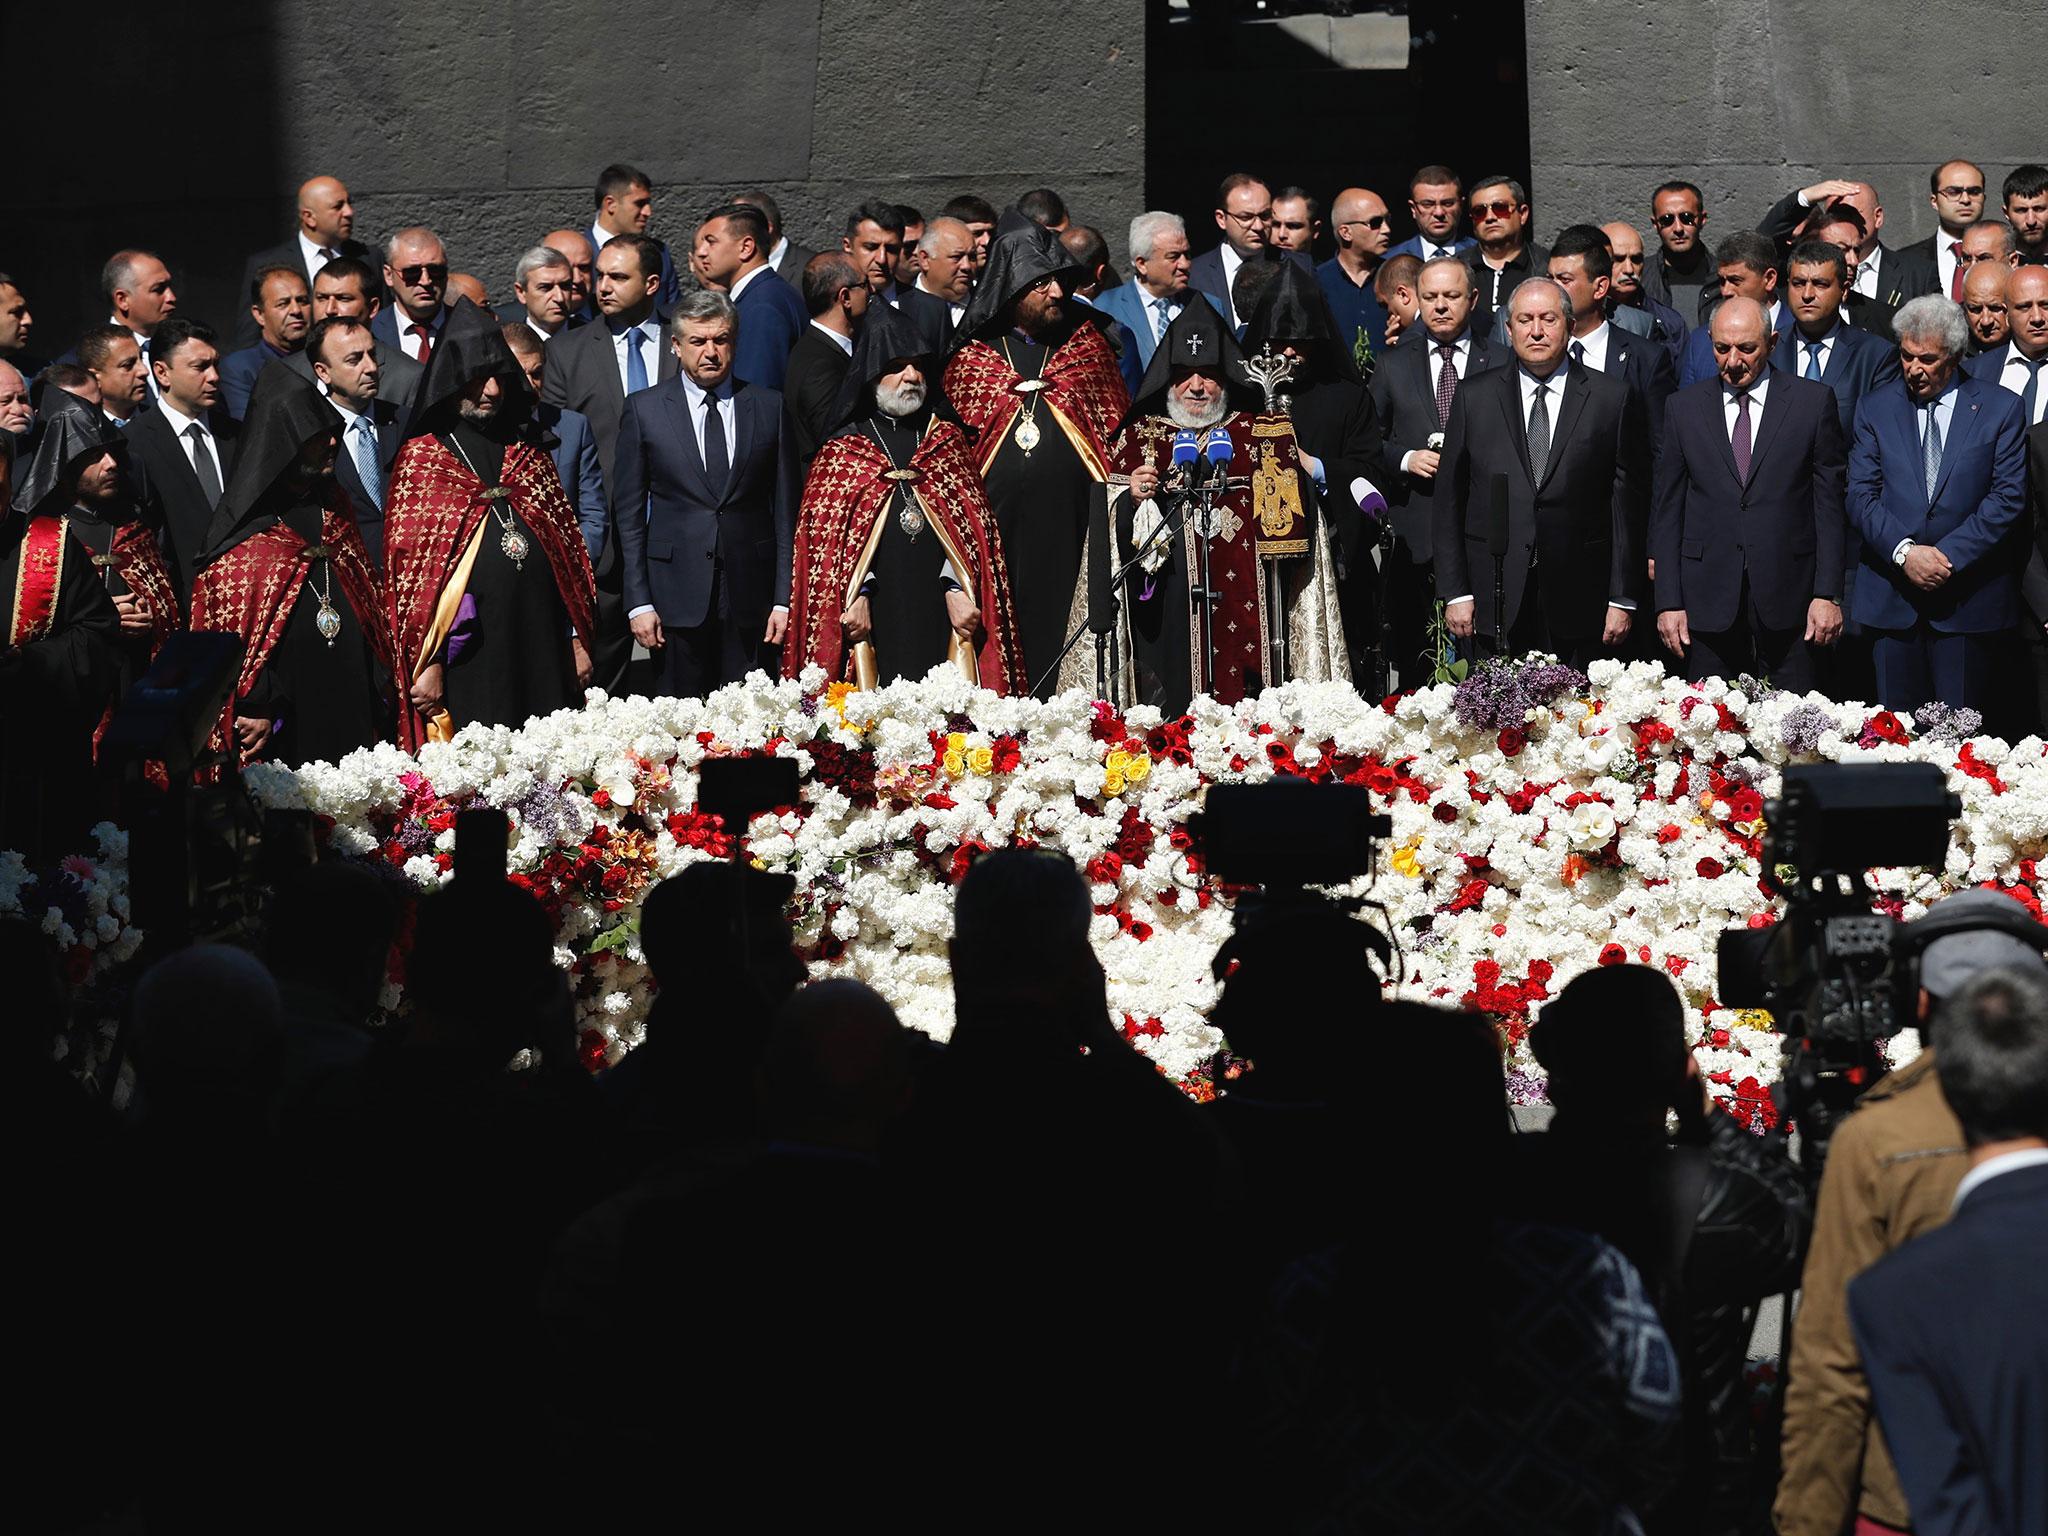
510	540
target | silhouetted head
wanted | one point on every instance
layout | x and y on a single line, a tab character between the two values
837	1068
207	1035
1613	1043
329	928
483	966
722	920
1020	948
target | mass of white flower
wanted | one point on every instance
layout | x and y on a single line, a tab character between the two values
1621	822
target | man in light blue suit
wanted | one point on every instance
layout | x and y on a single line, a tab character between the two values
1937	479
1158	289
574	444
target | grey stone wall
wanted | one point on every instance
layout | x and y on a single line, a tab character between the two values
1752	98
489	120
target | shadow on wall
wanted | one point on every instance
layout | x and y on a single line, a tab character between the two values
148	125
1328	102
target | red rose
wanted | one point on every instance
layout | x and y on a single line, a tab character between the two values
1445	813
1710	869
1511	741
1669	833
1613	954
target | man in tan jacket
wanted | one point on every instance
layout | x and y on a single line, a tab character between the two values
1892	1173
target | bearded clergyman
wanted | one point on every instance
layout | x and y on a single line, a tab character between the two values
1273	615
1036	377
898	565
490	585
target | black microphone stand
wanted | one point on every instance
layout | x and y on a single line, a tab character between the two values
1174	515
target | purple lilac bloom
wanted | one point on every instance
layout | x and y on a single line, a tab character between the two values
1802	726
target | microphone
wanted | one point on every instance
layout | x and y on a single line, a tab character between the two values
1187	455
1497	518
1219	450
1371	499
1101	596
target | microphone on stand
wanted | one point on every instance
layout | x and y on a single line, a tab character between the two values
1218	449
1101	594
1497	546
1187	455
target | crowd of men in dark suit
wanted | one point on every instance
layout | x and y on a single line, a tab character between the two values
1571	454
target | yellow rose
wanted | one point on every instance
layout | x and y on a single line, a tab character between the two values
982	760
956	743
1112	783
1406	861
1138	768
954	764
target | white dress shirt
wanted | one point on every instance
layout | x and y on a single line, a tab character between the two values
955	310
740	286
1992	1167
843	343
533	325
1756	409
1231	262
1593	347
1945	260
1461	353
180	424
1802	345
309	253
1944	419
650	353
408	340
780	250
2013	375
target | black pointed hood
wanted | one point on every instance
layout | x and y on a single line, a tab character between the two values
1198	338
887	335
471	346
1294	308
288	415
1016	262
72	429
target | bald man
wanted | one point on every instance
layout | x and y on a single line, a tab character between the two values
1984	305
1748	544
575	245
327	219
1625	244
1363	231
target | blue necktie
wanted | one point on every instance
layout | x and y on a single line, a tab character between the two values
1813	360
363	447
1930	453
2032	392
1159	326
636	370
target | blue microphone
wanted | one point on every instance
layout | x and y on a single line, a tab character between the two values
1185	448
1219	449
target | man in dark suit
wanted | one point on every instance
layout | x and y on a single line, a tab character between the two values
592	369
1879	284
416	274
1819	344
1953	1328
731	255
706	487
572	444
186	447
1955	190
1625	246
2021	365
344	360
1159	288
1412	394
347	287
1582	265
327	217
1436	202
1746	523
1937	478
282	302
625	206
1244	213
1746	267
837	297
1505	255
784	255
1680	273
1571	449
2034	580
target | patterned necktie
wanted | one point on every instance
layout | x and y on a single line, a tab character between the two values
636	369
202	464
362	434
2030	396
717	466
426	339
1955	278
1930	452
1446	381
1813	360
1539	434
1161	321
1740	442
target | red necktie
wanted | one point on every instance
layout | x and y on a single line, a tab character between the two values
1955	281
426	342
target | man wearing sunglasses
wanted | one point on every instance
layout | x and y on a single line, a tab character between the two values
1505	255
416	272
1361	227
1955	191
1436	201
1680	272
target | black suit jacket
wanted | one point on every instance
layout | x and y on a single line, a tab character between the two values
791	268
2034	581
181	511
675	528
583	374
397	375
1784	528
1406	403
1645	365
370	516
817	368
1919	273
1533	262
1582	525
285	254
1953	1333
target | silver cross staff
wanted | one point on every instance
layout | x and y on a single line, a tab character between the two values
1269	372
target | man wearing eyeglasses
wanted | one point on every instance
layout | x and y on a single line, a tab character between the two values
1505	255
416	272
1681	272
1346	278
1244	212
1956	193
1436	199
